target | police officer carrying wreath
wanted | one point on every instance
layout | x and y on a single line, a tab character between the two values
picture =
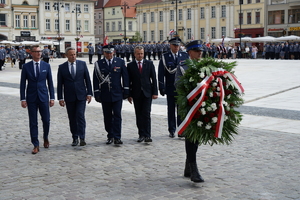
166	77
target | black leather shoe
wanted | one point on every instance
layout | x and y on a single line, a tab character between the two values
195	175
187	170
75	142
171	135
82	142
109	140
118	141
147	139
141	139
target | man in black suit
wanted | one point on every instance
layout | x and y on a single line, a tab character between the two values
143	88
73	80
39	86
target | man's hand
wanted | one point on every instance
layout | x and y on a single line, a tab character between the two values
154	96
130	100
51	103
62	103
89	99
162	92
23	104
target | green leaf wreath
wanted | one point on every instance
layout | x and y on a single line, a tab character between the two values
202	127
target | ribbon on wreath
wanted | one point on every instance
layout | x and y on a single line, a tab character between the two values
202	88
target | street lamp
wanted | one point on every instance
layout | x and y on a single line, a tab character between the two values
57	6
241	2
176	10
124	7
77	12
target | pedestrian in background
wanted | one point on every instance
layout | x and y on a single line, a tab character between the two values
91	52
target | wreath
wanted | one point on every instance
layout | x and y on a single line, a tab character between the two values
208	95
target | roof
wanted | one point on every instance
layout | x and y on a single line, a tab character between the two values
130	12
149	1
99	4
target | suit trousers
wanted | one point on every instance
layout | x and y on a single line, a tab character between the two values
76	110
171	113
112	118
191	150
142	107
90	58
43	108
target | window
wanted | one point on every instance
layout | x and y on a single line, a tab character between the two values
202	32
189	13
152	16
213	32
223	11
213	12
2	19
223	31
17	21
48	24
161	35
276	17
78	25
25	21
144	18
100	15
130	25
119	25
33	24
55	6
161	16
86	8
113	26
241	18
249	1
152	35
56	25
180	14
202	16
86	25
257	17
257	1
78	7
113	12
171	15
294	16
67	25
145	35
189	33
107	26
67	7
47	6
100	29
2	1
248	18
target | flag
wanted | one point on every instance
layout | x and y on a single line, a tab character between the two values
192	38
121	33
105	42
207	39
171	32
81	36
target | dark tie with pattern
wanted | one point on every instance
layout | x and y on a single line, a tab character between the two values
72	70
109	63
37	70
176	58
140	67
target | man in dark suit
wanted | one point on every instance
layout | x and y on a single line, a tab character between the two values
111	85
74	88
36	97
143	88
166	76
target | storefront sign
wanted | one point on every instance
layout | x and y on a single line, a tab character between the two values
275	29
294	28
25	33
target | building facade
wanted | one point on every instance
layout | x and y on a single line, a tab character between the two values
99	21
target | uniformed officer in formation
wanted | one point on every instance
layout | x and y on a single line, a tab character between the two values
46	54
99	50
111	86
91	52
127	51
2	56
13	56
160	49
166	77
22	55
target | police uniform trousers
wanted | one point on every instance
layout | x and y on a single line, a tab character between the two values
112	118
122	55
171	114
1	64
99	56
21	63
127	54
191	150
149	55
46	60
90	58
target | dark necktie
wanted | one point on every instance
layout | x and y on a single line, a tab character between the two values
140	67
37	70
72	70
109	63
176	58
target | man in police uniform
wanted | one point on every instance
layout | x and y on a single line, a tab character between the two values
99	50
194	49
111	86
2	56
21	56
91	52
166	76
46	54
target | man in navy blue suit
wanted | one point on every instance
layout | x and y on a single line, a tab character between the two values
143	88
35	95
74	88
166	77
111	86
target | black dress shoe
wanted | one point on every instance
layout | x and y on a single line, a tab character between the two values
82	142
141	139
148	139
109	140
118	141
195	175
171	135
75	142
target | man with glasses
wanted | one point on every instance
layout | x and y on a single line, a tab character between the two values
35	95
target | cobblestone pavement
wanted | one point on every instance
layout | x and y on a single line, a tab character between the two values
258	165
